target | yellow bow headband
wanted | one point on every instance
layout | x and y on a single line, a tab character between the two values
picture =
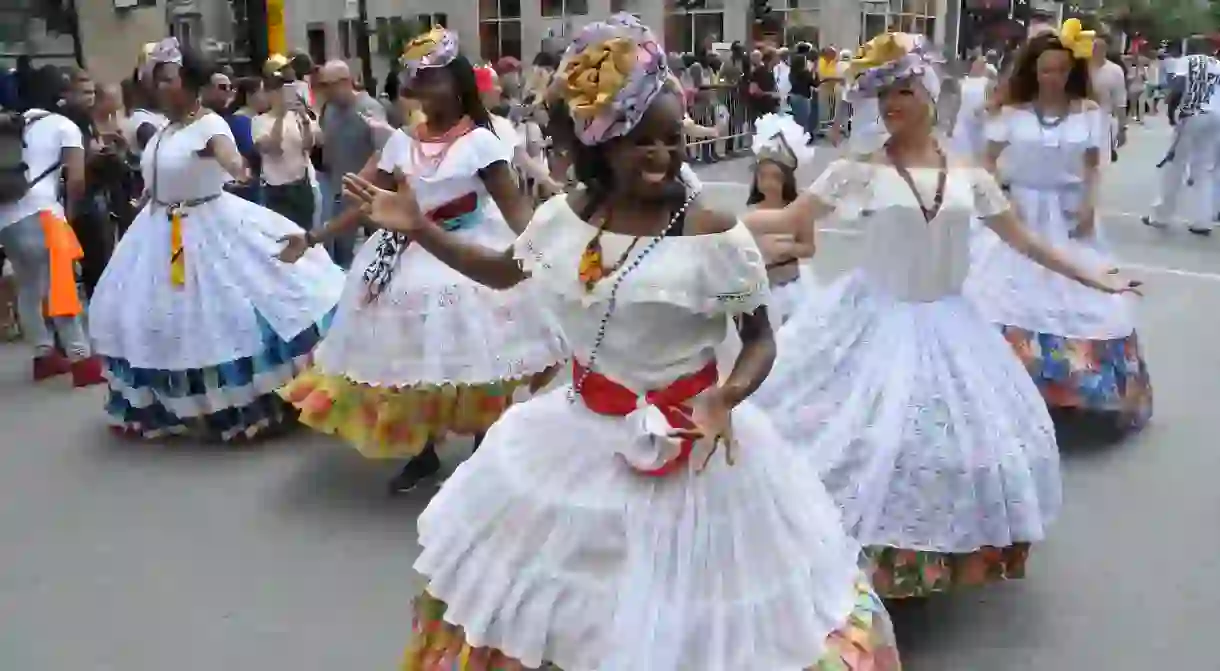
1076	39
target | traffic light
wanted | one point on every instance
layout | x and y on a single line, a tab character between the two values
760	10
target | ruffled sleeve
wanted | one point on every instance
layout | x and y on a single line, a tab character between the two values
844	186
483	148
207	127
734	272
1099	129
997	127
989	198
395	153
537	246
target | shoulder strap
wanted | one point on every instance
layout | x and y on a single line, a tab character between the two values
30	121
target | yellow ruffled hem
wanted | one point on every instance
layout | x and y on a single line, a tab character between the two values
395	422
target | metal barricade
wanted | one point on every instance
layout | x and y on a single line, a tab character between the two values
722	108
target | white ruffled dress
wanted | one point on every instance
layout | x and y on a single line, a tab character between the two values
924	427
1078	344
547	545
434	352
210	353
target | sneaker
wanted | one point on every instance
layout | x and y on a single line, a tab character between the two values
87	372
417	471
1154	224
1200	231
51	365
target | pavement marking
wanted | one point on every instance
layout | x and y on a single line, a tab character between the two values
1143	268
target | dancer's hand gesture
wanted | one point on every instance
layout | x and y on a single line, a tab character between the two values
712	416
1113	283
295	246
392	210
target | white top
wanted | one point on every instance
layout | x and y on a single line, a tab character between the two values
1110	86
906	257
131	126
1039	156
455	176
181	174
507	133
45	141
669	312
292	163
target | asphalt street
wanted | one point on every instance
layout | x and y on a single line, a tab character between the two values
122	556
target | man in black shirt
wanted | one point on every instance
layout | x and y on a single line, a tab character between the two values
764	91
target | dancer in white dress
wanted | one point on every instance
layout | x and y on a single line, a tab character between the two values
1080	346
923	425
780	146
599	527
197	323
967	137
419	351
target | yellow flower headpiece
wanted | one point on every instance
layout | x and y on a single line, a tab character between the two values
1076	39
593	77
434	49
876	52
275	63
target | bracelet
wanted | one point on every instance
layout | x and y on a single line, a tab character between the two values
310	240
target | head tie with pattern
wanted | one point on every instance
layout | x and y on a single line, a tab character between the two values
610	75
434	49
890	58
165	51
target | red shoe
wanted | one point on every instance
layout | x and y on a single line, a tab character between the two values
51	365
87	372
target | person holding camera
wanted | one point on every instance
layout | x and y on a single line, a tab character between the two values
284	137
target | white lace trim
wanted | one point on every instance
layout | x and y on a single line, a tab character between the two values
710	274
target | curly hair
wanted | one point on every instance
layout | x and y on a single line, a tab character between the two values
1021	85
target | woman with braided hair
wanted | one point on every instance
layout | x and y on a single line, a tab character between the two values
419	352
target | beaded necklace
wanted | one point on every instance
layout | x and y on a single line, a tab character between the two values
612	301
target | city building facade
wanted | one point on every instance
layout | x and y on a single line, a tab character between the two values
109	33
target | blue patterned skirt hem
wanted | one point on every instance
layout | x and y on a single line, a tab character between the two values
231	400
1108	376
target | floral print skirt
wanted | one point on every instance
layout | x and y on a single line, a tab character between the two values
395	422
1106	376
904	574
864	643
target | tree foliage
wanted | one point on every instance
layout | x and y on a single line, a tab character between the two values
1163	19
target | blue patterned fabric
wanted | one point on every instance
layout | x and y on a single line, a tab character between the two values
1095	375
229	400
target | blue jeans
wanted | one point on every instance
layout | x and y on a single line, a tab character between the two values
27	250
805	113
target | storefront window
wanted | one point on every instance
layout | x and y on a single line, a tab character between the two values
799	20
553	8
687	29
499	29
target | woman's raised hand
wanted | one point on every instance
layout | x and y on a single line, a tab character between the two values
392	210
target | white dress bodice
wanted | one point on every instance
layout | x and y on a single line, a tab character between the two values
1041	156
174	171
669	312
905	256
456	175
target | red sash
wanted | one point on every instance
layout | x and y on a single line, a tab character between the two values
607	397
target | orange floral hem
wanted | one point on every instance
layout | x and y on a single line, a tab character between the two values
904	574
864	643
395	422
